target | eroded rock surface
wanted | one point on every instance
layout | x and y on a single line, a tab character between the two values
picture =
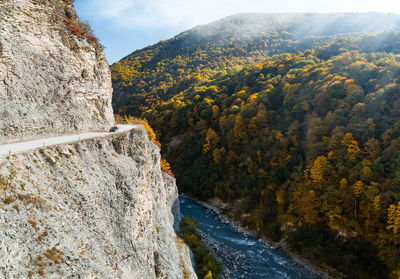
51	81
99	208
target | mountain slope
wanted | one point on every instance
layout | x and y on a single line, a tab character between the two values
158	72
304	142
302	145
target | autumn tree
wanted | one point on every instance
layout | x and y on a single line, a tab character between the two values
309	206
212	140
238	129
352	146
393	218
209	275
317	171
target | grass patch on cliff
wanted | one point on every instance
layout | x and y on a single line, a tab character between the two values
206	262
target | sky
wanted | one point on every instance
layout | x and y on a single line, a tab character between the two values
124	26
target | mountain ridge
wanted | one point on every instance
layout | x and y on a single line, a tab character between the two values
156	73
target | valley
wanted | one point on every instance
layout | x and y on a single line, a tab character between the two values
300	139
258	145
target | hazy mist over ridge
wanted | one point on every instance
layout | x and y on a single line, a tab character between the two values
302	24
307	29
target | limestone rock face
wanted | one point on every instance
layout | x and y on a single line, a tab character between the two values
99	208
52	81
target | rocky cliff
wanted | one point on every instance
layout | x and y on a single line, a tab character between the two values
97	208
53	77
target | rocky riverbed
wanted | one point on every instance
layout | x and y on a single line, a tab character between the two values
243	255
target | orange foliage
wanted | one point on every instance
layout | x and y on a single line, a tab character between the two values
165	167
80	29
156	142
149	130
358	188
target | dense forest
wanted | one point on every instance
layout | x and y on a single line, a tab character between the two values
305	144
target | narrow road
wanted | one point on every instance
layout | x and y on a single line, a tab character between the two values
28	145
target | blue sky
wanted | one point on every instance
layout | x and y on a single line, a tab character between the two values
126	25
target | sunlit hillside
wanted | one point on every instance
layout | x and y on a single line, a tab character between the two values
158	72
292	120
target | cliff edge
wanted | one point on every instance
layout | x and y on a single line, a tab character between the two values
54	77
99	208
94	208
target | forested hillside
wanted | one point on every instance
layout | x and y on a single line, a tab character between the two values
300	140
305	144
158	72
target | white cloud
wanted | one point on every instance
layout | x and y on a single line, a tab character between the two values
187	13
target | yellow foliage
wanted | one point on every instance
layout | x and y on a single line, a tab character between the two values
198	76
212	140
377	202
165	165
215	110
241	93
278	135
238	129
366	173
358	188
352	145
253	98
258	66
343	183
280	196
208	275
309	206
149	130
317	171
393	218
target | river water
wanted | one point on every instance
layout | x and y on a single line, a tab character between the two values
243	256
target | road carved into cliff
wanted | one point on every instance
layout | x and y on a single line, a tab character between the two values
18	147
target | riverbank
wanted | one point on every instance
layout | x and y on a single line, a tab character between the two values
220	209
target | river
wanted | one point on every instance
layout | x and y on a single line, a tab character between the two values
243	256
